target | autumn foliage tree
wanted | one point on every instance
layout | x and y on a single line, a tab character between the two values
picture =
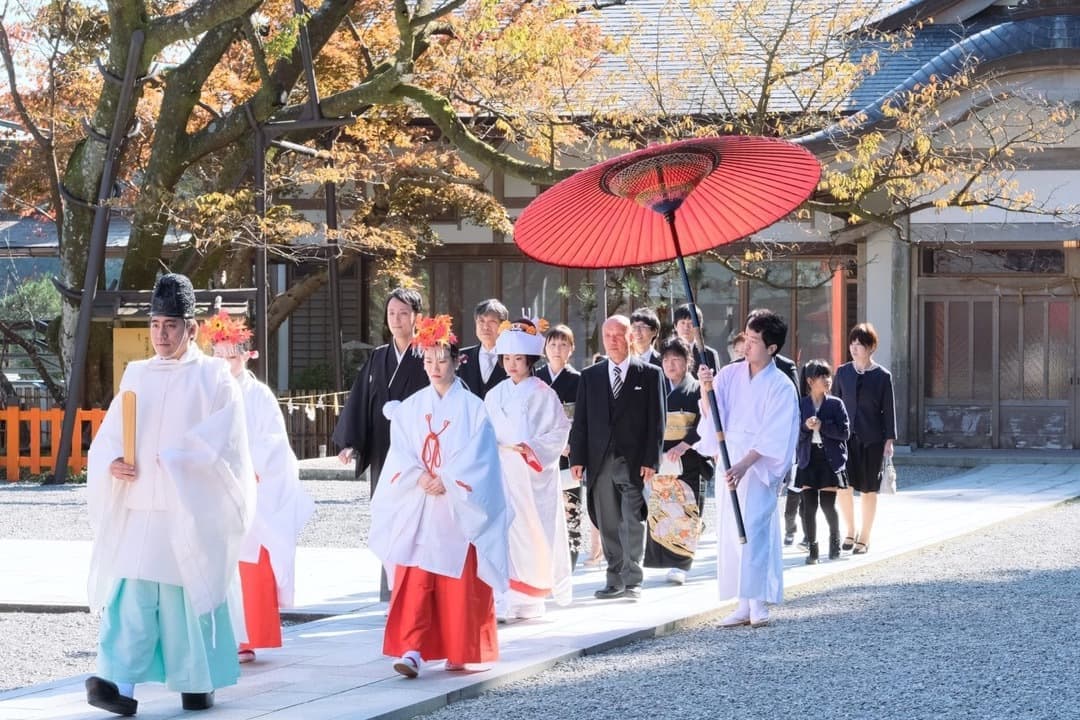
410	73
441	91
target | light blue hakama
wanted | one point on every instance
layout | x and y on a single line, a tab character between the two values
149	633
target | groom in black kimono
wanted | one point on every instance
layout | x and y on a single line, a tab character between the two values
615	442
392	372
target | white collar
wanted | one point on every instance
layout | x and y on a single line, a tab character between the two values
397	354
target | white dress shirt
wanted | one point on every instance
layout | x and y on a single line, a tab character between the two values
488	358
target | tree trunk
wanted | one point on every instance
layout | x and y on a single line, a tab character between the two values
82	178
292	298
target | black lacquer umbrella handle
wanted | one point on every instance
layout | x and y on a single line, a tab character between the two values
699	351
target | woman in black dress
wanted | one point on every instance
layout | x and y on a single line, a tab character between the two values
676	500
563	379
867	391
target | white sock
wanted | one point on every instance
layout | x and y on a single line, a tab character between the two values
126	689
758	607
744	606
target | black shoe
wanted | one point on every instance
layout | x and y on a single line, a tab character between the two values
633	592
789	538
834	547
611	592
804	544
197	701
106	695
812	558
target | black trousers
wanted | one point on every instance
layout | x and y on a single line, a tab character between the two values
619	506
792	503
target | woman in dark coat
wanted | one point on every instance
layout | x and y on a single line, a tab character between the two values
867	391
563	379
821	455
676	501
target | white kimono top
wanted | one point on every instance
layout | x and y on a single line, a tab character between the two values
453	438
282	506
530	412
183	518
762	414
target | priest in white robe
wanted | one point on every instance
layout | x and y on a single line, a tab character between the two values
282	508
168	527
759	412
439	518
532	429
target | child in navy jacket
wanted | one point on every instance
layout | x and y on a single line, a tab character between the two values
821	455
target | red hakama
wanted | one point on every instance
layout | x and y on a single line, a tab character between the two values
442	617
261	615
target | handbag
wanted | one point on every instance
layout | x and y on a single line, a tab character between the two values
888	477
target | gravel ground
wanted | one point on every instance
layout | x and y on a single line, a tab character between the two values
983	626
36	647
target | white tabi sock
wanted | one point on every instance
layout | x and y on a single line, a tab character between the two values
126	689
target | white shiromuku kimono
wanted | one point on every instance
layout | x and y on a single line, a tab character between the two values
762	414
530	412
282	506
434	532
183	519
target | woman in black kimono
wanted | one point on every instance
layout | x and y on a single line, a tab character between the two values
675	498
563	379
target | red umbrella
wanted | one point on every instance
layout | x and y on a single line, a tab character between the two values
664	202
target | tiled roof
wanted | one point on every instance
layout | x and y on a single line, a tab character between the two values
659	32
665	71
21	237
986	44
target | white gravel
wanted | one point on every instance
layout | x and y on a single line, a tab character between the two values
950	589
984	626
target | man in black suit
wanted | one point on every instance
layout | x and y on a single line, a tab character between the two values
392	372
684	328
615	443
644	327
479	366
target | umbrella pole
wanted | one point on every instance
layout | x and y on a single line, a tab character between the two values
699	351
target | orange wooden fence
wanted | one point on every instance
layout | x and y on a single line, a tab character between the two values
42	431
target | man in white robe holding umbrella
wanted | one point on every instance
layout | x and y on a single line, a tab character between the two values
759	411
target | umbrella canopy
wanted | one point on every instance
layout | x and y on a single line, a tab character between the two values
716	190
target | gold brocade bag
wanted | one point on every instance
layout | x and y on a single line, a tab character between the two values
674	517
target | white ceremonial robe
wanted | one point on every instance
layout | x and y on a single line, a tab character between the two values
434	532
530	412
762	414
184	517
282	507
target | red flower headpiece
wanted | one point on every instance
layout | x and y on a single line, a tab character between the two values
539	326
434	331
222	329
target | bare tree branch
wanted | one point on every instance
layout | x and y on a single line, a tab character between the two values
31	351
43	141
195	20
